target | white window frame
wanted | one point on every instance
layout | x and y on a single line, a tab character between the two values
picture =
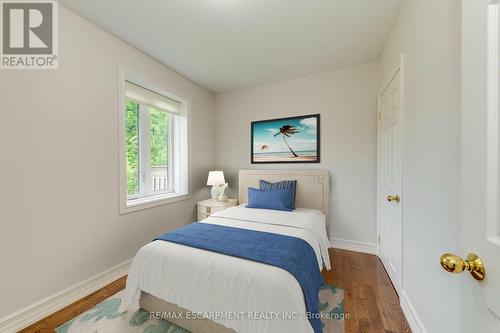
178	156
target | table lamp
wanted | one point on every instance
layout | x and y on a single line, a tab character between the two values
215	179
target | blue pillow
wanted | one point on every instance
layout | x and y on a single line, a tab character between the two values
285	184
273	199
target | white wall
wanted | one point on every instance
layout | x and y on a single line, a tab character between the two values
347	102
428	33
59	222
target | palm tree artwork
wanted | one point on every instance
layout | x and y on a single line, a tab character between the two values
300	136
287	131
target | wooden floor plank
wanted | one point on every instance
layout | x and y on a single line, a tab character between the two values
370	299
50	323
369	296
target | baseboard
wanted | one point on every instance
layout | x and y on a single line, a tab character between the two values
356	246
411	315
53	303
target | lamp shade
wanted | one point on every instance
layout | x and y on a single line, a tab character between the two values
215	178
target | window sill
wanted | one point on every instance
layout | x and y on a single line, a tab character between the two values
151	202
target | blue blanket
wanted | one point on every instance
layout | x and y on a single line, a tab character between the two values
290	253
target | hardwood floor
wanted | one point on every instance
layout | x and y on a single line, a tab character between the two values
371	303
48	324
369	297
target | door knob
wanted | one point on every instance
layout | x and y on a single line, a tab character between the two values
454	264
392	198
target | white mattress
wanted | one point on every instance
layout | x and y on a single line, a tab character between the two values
208	282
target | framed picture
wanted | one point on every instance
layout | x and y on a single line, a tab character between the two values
286	140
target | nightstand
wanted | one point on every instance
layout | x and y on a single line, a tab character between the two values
208	207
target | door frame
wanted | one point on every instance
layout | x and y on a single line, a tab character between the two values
386	80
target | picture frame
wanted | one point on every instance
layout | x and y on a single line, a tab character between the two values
286	140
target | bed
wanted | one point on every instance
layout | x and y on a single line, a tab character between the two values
206	291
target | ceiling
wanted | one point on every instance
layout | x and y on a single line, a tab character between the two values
227	45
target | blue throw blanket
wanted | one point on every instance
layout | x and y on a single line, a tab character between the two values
290	253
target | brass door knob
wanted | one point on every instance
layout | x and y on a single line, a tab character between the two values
454	264
392	198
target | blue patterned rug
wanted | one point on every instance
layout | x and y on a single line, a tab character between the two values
105	318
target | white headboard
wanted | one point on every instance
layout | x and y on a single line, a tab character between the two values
313	186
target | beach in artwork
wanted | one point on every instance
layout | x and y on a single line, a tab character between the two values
285	156
285	140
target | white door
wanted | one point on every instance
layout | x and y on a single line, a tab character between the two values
480	195
389	179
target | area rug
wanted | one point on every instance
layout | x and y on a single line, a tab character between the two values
105	318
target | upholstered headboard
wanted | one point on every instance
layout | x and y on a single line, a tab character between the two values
313	186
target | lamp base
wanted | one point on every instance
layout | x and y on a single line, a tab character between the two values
215	192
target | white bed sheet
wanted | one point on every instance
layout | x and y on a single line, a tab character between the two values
308	224
209	283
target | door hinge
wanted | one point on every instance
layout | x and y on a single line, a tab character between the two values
379	238
379	115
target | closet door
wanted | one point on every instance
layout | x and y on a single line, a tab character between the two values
389	179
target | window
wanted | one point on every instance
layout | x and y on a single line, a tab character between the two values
154	150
